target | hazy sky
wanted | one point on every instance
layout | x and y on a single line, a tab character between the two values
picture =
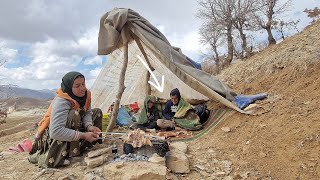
44	39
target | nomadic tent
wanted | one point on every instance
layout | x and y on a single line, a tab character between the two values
125	34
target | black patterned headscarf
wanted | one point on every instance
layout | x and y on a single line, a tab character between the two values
66	86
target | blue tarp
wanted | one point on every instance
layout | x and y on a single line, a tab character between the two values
195	64
242	101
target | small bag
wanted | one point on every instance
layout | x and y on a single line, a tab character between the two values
202	111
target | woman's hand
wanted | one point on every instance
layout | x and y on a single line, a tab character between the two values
89	136
93	129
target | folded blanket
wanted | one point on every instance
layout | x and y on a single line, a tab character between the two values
186	118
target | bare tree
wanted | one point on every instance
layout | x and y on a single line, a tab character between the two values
219	13
283	26
242	20
237	46
212	35
313	13
268	12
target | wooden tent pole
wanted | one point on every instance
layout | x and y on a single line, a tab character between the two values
148	87
121	88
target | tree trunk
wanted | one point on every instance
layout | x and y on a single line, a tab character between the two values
121	88
230	47
216	57
244	43
282	34
270	36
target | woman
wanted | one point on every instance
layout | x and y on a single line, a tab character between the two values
69	125
179	112
149	114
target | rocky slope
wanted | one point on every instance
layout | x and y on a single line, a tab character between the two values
283	143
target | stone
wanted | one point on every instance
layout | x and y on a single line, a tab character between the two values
210	150
215	160
262	154
141	170
155	158
171	177
262	125
200	167
120	164
91	175
303	166
66	177
237	177
99	152
226	129
180	146
221	173
312	164
228	178
227	163
177	162
95	161
204	173
245	174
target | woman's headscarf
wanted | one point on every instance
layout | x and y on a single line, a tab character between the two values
175	92
143	115
66	86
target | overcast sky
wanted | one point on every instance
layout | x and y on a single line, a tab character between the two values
43	39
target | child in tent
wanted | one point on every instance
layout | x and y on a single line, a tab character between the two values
69	126
149	114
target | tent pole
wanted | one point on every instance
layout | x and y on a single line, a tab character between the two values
121	88
148	88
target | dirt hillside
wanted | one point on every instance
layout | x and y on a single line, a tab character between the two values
283	143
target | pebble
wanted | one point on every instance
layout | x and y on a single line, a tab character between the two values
219	173
303	166
262	125
226	129
120	165
227	164
245	174
210	150
312	164
204	173
200	167
262	154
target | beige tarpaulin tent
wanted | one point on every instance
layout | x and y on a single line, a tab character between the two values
120	25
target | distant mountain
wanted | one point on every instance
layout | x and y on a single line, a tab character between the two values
24	102
7	91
